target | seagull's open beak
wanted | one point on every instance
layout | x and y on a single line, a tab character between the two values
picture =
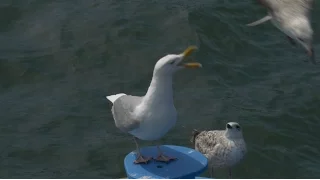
186	53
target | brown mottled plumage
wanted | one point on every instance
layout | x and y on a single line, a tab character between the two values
223	148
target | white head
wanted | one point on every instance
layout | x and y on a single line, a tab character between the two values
170	63
233	130
300	29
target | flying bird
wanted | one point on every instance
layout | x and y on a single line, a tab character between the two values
293	18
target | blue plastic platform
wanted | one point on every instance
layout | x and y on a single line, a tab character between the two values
190	163
202	177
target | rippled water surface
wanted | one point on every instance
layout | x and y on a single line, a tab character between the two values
59	59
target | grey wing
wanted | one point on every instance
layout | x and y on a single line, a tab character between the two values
206	141
287	8
122	111
267	3
292	4
308	3
275	5
299	6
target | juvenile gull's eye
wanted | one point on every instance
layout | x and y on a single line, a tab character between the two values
228	126
172	62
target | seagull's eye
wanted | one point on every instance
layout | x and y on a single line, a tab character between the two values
172	62
238	127
229	127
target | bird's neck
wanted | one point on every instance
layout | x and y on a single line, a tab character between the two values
233	136
160	90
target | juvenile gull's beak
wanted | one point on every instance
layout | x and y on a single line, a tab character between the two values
186	53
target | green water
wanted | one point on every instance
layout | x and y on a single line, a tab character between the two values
59	59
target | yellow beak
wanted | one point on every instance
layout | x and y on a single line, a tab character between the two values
186	53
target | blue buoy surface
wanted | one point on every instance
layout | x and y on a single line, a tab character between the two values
190	163
197	177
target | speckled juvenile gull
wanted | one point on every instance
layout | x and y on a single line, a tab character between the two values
293	18
151	116
223	148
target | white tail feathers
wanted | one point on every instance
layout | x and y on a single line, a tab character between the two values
113	98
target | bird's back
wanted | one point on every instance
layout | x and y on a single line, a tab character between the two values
220	151
206	141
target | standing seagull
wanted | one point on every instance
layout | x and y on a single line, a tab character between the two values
223	148
151	116
292	17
